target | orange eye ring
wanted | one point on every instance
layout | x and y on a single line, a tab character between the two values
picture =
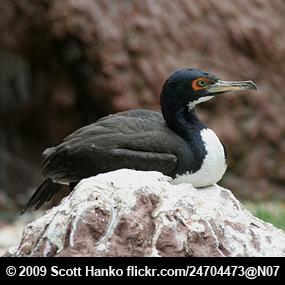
199	83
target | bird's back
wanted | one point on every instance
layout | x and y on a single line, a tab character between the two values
138	139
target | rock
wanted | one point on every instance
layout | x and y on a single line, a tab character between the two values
11	228
135	213
10	235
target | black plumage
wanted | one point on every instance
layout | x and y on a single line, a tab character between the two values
169	142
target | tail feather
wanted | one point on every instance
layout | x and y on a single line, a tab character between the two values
43	194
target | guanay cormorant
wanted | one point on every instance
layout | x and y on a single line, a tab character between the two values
174	142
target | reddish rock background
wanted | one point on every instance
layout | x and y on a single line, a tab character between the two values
66	63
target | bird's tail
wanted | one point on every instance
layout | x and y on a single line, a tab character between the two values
43	194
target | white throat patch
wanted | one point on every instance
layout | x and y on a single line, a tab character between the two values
214	164
191	105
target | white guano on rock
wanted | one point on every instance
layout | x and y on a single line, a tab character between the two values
136	213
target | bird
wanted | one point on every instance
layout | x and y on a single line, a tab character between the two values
174	141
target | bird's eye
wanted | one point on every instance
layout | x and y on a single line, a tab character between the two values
201	83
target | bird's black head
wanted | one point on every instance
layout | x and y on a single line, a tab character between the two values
189	87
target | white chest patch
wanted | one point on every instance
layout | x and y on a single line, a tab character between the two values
214	164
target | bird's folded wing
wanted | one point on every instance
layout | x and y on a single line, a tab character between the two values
137	139
69	166
148	161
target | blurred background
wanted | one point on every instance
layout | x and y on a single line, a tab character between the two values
66	63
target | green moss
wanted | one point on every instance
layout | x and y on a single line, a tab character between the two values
272	212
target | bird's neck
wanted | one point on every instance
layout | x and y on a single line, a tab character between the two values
183	121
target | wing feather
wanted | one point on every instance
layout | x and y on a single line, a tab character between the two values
136	139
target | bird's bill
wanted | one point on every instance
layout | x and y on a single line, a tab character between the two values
226	86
